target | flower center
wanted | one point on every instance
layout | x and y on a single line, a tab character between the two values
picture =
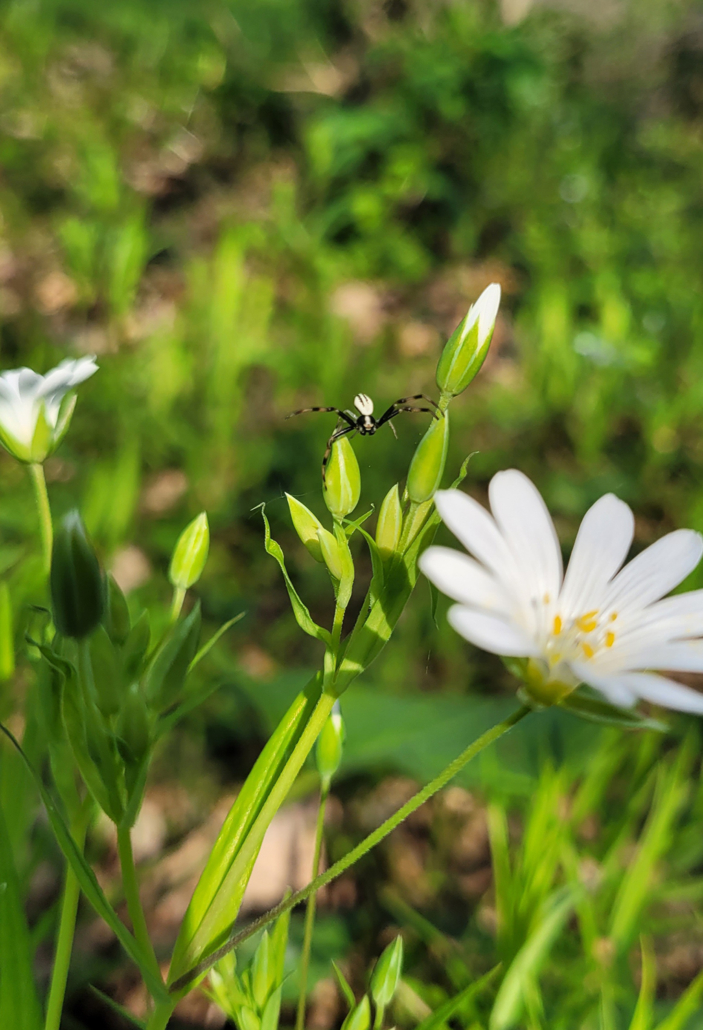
581	637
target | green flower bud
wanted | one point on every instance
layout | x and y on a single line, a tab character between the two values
76	583
190	553
306	526
386	974
328	753
390	523
468	345
133	725
360	1017
342	479
427	466
116	619
329	548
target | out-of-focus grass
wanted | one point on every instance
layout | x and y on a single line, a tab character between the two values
244	207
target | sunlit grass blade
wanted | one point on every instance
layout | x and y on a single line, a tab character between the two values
687	1006
446	1011
525	968
116	1007
89	884
19	1003
644	1010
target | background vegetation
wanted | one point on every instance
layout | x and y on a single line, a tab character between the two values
247	206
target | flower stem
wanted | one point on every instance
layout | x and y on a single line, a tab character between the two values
131	891
45	525
161	1015
179	596
310	912
360	850
67	927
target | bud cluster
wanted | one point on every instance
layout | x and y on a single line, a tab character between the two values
107	690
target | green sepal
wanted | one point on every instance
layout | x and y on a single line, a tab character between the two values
386	974
344	986
116	619
262	972
346	581
77	592
66	410
135	647
350	527
88	882
589	705
133	726
302	615
107	672
18	450
165	678
40	446
360	1016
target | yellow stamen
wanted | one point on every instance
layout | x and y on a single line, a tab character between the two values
587	622
557	625
587	650
613	617
546	598
609	638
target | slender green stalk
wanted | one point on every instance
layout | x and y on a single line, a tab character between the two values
131	891
67	928
160	1016
360	850
179	596
45	525
310	911
209	929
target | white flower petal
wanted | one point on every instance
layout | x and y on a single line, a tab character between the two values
662	691
681	656
60	380
601	546
612	687
492	633
655	571
463	579
524	521
486	311
473	527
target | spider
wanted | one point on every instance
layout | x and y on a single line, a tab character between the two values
364	423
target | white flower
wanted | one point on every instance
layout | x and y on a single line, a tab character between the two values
600	623
35	410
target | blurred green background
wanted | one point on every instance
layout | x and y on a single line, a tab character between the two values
248	206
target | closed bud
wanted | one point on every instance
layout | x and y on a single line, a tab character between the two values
331	555
390	523
386	974
76	583
133	725
306	526
427	466
360	1017
342	479
190	553
329	746
468	345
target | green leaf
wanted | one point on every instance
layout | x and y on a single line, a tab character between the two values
209	644
302	615
350	527
688	1005
445	1012
644	1010
241	817
509	1003
19	1003
166	675
588	705
344	986
116	1007
88	882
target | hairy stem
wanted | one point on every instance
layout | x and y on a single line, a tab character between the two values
360	850
45	525
310	912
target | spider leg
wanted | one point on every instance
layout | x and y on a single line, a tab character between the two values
341	414
335	436
418	397
395	409
393	428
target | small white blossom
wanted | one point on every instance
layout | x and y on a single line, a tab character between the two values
600	623
35	410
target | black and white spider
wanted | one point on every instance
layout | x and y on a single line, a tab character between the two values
364	423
